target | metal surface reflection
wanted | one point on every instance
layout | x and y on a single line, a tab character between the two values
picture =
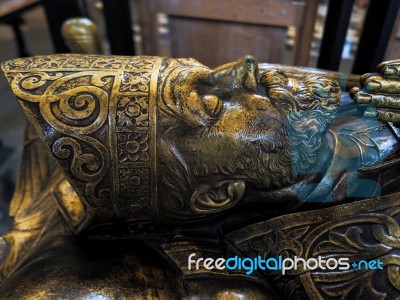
143	161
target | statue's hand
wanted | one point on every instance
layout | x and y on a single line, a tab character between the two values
383	90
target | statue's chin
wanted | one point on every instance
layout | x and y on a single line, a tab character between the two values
306	134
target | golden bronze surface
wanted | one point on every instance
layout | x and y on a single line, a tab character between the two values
143	161
81	36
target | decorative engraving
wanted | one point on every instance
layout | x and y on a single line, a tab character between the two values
135	82
133	111
222	138
134	191
105	63
133	147
360	231
144	64
69	98
76	107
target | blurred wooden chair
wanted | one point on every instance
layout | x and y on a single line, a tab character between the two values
393	49
379	35
216	32
11	12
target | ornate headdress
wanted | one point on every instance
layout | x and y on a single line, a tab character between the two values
97	115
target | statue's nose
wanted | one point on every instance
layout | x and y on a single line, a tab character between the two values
252	73
242	73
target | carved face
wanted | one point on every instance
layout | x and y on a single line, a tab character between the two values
147	138
225	131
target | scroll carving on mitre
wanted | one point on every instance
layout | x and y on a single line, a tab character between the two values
91	111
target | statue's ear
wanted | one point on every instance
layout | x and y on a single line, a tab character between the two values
216	197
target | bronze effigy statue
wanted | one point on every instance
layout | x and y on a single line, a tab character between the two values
145	165
81	35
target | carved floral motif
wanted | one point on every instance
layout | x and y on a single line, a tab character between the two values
133	111
133	147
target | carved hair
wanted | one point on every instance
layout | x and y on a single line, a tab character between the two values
311	104
308	107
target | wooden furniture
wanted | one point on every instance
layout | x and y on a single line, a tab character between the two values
215	32
378	25
119	27
335	30
10	14
57	11
116	16
9	8
393	49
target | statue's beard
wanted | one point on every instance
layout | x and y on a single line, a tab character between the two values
294	151
266	163
308	107
306	133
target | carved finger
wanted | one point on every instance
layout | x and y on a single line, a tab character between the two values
383	101
362	97
353	92
389	115
382	85
364	77
390	68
